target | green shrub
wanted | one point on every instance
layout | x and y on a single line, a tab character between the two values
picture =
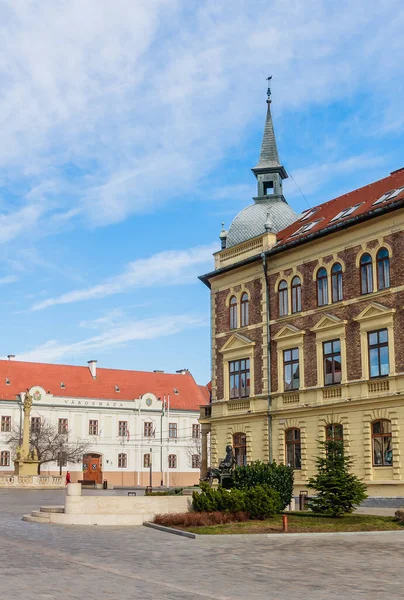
212	500
279	477
206	500
262	502
338	490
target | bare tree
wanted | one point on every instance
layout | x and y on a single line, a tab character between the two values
195	450
51	445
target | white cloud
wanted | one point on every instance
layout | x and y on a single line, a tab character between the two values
143	98
8	279
127	331
312	178
173	267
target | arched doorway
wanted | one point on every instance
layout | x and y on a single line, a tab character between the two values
92	467
240	449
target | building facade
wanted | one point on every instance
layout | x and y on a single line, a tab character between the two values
140	426
308	328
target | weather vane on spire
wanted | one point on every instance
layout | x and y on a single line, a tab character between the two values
269	88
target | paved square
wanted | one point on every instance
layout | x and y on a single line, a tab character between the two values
45	562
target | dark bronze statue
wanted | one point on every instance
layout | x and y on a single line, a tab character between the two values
224	470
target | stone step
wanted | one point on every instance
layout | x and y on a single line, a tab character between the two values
52	509
33	519
40	514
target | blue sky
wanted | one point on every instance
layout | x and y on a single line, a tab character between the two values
128	130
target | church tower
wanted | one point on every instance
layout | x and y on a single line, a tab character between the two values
270	211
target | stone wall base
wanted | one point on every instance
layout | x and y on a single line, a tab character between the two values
38	482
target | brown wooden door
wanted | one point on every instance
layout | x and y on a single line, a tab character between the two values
92	468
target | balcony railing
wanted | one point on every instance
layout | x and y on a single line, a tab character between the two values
291	398
238	405
380	385
332	392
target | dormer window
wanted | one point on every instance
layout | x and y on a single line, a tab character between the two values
117	388
8	382
62	385
268	188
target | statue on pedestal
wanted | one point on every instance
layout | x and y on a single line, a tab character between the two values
223	473
26	462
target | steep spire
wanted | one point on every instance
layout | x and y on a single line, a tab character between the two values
269	156
269	170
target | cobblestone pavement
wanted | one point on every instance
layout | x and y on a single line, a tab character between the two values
46	562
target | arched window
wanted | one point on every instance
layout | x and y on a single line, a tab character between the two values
296	295
366	274
322	287
283	298
381	442
5	459
122	461
334	432
383	269
293	448
233	312
244	310
240	448
172	461
336	282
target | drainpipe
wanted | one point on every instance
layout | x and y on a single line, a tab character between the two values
264	266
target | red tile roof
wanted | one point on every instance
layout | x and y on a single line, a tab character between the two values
205	389
321	217
79	383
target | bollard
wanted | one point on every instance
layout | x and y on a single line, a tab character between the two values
285	523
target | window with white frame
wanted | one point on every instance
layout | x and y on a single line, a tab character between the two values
122	461
5	424
123	428
5	458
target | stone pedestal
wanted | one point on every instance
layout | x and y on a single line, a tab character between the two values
25	467
26	462
74	489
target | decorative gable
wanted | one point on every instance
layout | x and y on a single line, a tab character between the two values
237	342
328	322
374	310
288	331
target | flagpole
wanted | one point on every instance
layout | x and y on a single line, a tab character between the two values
168	440
161	443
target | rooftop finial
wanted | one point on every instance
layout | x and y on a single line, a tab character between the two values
269	88
223	236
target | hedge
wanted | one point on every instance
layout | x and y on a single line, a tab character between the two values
278	477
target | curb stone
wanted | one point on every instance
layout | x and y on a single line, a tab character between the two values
277	536
186	534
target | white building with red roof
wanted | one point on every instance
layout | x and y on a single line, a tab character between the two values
130	419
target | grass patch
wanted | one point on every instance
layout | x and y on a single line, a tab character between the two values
303	523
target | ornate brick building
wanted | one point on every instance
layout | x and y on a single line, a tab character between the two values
308	329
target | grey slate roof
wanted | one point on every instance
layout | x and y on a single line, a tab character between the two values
250	222
269	152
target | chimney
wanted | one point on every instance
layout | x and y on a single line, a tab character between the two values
92	365
11	356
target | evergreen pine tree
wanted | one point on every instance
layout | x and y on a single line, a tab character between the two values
338	490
